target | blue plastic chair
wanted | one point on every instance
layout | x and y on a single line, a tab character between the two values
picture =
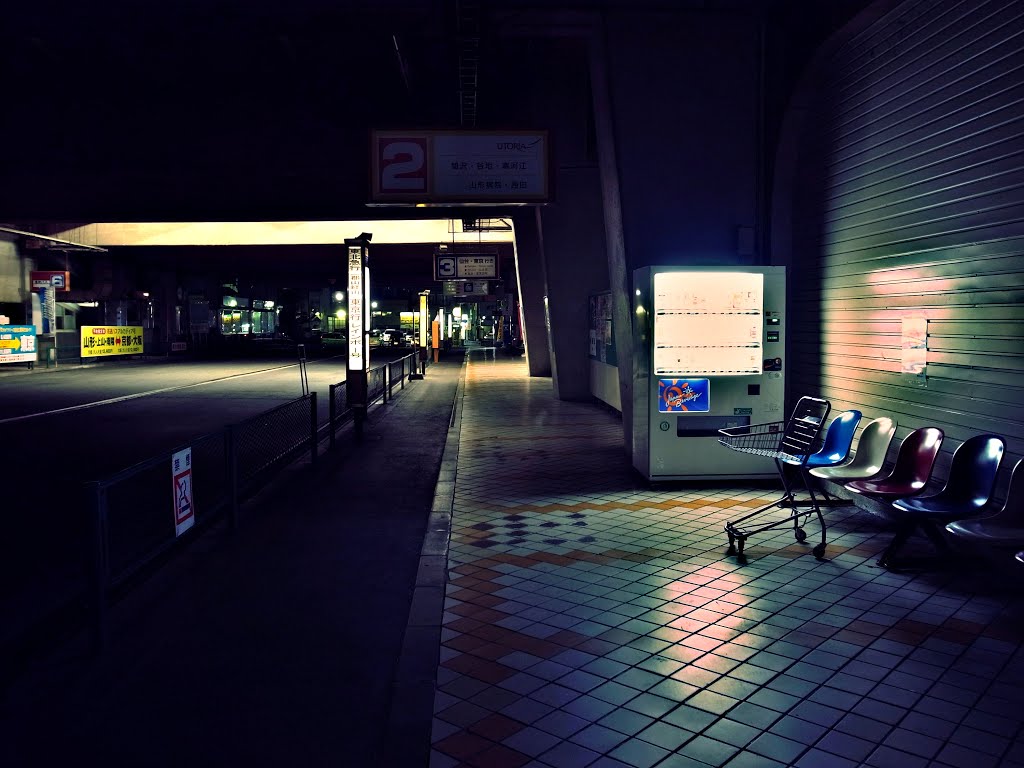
968	488
838	440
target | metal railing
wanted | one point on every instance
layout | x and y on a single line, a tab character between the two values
380	384
376	385
133	511
338	411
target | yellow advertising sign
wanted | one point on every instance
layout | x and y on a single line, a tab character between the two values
102	340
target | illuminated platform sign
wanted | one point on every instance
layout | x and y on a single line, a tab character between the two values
469	266
453	167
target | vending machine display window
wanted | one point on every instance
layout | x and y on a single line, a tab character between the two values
708	323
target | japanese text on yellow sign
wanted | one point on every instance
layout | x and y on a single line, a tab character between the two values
101	340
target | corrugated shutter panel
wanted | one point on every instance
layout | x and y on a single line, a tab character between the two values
910	203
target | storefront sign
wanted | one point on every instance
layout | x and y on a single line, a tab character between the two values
17	344
103	340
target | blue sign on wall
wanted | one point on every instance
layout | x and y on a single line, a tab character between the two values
17	344
678	395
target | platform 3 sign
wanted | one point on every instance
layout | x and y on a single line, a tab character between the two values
17	344
103	340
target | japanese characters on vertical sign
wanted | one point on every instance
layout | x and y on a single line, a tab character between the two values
181	482
355	297
423	320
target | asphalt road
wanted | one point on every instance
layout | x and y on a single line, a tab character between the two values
274	644
62	428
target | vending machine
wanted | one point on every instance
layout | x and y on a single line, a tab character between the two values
709	346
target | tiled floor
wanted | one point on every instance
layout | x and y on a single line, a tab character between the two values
593	621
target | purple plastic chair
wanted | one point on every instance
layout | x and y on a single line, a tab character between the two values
912	470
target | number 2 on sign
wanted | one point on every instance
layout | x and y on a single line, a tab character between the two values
403	166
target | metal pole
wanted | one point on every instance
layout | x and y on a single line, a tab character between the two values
313	427
303	380
332	412
231	459
100	565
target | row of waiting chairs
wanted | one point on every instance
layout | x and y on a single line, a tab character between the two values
959	508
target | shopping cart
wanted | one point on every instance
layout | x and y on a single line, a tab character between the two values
789	443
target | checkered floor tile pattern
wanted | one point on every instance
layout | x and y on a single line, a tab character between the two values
592	620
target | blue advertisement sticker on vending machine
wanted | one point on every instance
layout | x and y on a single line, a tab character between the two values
677	395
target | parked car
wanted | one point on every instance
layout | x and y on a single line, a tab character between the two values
390	337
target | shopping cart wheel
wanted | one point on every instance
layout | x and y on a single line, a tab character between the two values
801	535
819	551
740	557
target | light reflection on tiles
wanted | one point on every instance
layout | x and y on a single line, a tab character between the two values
593	620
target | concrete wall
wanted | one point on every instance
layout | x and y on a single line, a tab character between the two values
11	282
684	99
680	108
13	279
532	290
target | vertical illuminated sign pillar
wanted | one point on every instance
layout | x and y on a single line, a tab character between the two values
357	309
421	333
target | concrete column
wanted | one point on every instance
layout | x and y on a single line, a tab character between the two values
619	276
532	289
576	267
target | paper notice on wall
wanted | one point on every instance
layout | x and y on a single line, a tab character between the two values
914	349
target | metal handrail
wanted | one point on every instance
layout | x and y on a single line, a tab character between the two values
104	579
